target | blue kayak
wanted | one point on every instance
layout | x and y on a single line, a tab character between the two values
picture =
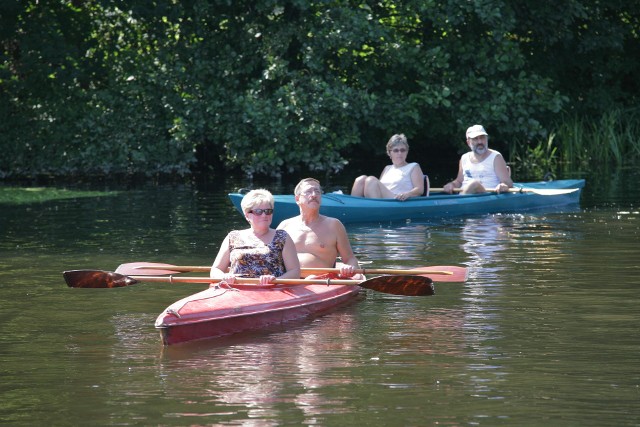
523	197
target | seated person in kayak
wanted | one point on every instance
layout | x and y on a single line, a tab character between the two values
399	180
259	251
319	239
481	169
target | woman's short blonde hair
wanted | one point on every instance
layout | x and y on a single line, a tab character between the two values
397	139
256	197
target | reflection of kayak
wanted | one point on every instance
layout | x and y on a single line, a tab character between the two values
221	310
358	209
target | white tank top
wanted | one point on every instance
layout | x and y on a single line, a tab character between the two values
483	171
398	180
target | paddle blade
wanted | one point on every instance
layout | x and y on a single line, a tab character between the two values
401	285
459	274
544	191
149	269
96	279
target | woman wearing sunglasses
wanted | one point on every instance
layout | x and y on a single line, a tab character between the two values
399	180
259	251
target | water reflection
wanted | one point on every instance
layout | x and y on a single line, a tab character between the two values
545	331
483	239
262	373
427	330
391	246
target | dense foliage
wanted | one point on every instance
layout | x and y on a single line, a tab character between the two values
271	87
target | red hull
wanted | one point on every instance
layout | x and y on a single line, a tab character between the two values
216	312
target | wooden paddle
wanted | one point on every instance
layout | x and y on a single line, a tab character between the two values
451	273
539	191
396	285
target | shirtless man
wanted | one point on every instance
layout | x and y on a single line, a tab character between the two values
319	239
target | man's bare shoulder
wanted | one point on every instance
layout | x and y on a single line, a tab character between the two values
333	222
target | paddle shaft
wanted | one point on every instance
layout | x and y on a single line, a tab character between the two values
198	268
444	273
538	191
250	280
459	189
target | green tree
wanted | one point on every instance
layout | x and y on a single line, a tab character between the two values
272	87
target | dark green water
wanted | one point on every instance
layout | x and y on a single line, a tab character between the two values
545	332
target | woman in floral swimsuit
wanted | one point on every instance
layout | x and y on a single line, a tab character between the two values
258	251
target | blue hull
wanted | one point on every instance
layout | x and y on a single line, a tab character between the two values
358	209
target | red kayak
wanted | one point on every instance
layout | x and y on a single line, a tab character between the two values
223	310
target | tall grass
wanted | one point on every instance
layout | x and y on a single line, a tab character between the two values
580	144
534	161
611	141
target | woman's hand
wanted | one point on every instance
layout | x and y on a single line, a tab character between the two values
230	278
266	279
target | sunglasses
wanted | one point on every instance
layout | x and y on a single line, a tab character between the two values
261	211
399	150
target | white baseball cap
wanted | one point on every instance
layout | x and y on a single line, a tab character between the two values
475	131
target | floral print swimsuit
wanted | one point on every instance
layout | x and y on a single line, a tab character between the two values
252	258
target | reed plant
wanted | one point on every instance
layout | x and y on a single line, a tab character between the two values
611	141
534	161
578	143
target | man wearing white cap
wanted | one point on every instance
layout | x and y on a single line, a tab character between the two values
481	169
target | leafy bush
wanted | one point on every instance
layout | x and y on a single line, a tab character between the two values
166	87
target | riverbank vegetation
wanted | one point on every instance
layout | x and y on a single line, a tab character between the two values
577	145
28	195
612	140
124	87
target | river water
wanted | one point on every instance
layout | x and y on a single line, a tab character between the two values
546	331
